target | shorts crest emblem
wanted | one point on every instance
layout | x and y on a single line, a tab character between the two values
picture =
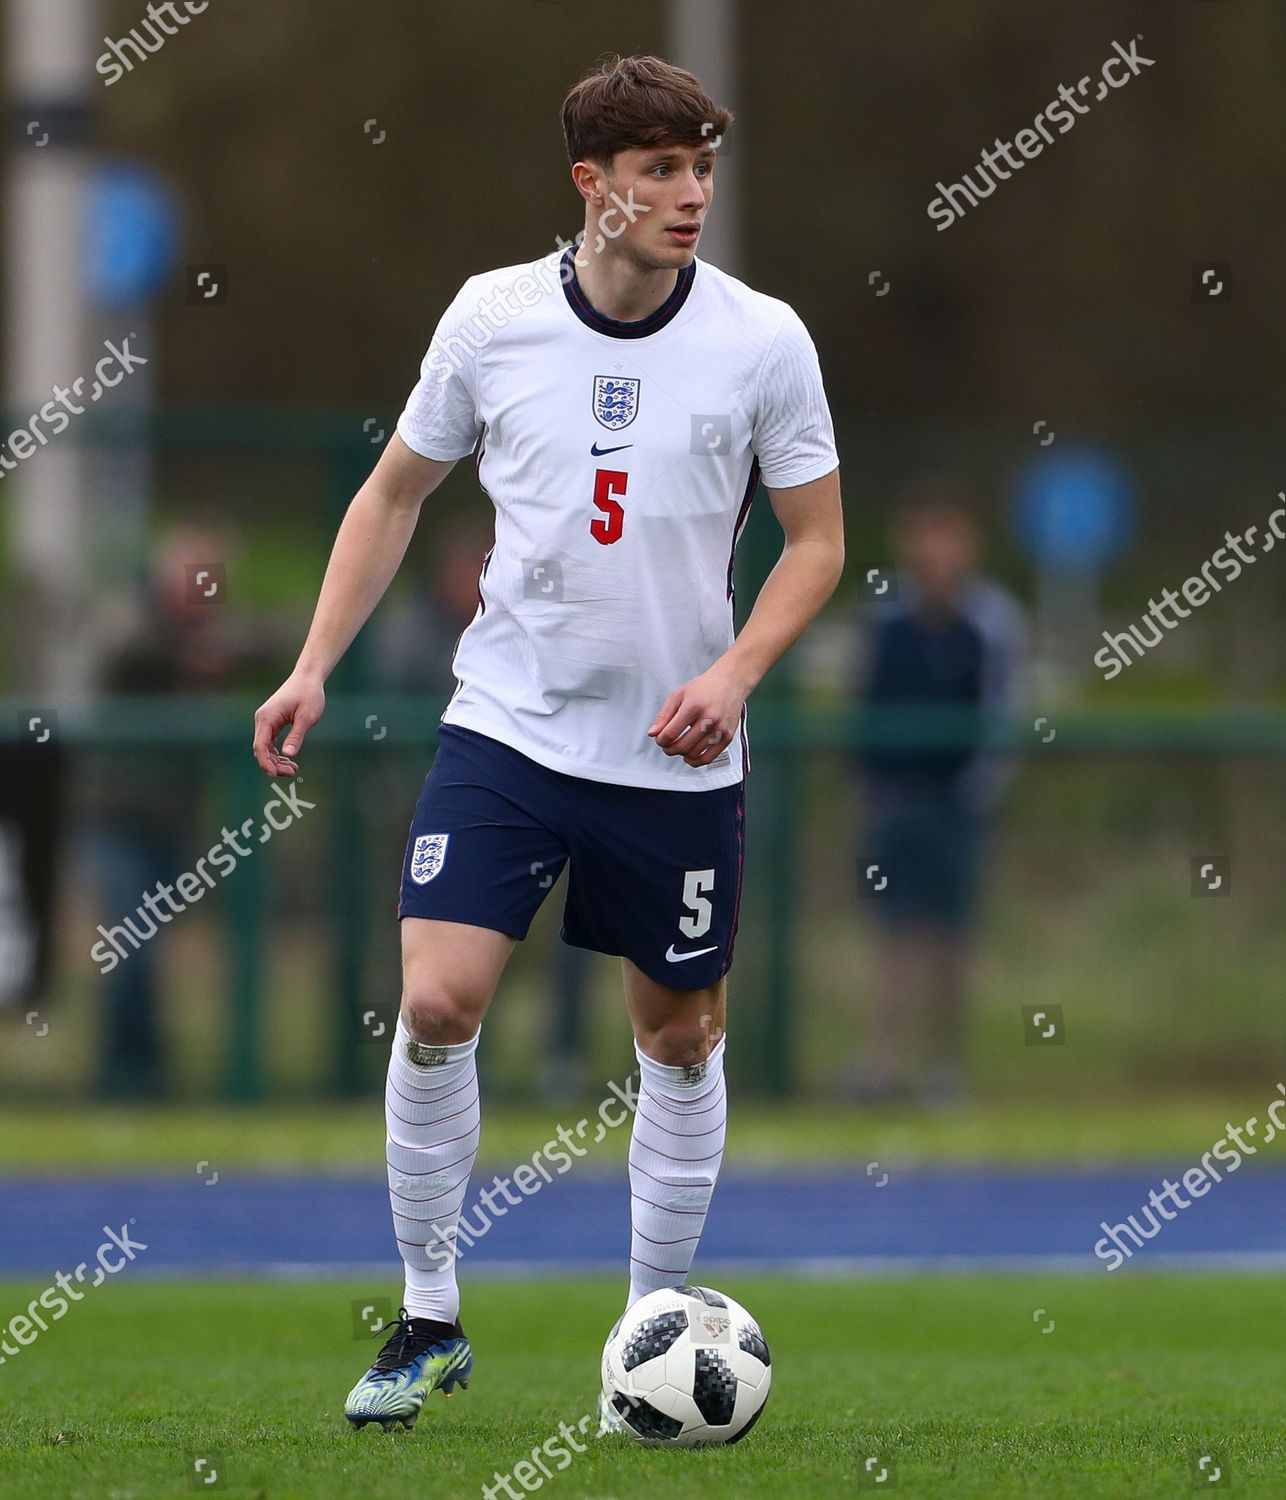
428	856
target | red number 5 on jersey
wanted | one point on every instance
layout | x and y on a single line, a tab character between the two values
607	528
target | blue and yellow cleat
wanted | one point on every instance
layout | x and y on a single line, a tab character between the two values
420	1356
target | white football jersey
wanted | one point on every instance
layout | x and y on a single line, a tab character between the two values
622	459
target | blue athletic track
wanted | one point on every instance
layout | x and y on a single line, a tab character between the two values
811	1223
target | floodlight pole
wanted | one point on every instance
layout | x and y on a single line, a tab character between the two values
703	38
44	497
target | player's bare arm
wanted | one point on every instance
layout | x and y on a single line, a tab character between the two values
369	547
699	718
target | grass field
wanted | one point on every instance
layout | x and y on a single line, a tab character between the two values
349	1136
950	1384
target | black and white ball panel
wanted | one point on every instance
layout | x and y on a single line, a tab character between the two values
687	1366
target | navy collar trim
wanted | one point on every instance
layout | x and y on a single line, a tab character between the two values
653	323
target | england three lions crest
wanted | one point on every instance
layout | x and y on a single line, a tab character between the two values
616	400
428	857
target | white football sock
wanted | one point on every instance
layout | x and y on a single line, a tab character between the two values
675	1151
432	1119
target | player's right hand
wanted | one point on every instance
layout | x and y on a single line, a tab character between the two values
300	701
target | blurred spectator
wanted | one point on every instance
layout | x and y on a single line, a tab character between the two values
415	643
177	639
416	638
945	653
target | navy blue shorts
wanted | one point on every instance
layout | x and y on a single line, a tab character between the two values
655	875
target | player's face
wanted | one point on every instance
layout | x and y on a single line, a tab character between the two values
661	197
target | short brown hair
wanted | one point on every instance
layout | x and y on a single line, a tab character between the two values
637	102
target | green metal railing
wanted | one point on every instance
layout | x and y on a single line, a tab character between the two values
216	734
781	731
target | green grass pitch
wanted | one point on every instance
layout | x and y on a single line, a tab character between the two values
951	1384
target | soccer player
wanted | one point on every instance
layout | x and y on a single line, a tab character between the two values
626	399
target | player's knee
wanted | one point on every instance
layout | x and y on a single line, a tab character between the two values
677	1044
434	1014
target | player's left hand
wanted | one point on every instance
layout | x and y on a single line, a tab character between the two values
699	719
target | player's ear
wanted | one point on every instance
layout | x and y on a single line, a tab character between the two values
586	178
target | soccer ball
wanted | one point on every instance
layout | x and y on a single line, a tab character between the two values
685	1367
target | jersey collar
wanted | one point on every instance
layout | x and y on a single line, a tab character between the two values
653	323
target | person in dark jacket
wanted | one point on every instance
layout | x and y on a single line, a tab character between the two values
945	656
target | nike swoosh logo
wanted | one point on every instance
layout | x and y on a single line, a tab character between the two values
603	452
677	958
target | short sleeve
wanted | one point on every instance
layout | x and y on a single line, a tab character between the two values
441	419
794	437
